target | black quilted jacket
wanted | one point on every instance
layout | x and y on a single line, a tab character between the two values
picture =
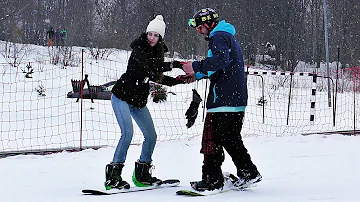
145	64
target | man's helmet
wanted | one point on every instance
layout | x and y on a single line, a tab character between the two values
207	17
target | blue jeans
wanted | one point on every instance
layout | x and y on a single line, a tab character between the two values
142	117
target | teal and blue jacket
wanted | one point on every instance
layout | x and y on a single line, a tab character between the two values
224	66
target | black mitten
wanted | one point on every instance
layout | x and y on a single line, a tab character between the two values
192	112
177	64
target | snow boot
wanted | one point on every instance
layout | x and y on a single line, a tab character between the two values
113	177
142	175
209	182
246	179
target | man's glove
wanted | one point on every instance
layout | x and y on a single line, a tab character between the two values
192	112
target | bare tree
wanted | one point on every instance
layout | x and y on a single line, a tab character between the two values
295	27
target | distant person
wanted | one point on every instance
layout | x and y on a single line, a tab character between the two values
226	102
129	98
57	37
50	34
63	36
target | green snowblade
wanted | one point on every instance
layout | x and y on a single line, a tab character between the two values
188	193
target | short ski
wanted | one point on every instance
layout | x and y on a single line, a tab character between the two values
192	192
164	184
228	186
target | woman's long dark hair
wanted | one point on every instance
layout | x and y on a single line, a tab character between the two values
159	53
159	48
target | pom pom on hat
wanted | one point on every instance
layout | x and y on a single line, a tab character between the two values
157	25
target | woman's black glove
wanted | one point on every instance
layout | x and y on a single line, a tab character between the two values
170	81
177	64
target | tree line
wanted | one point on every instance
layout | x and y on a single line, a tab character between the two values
288	30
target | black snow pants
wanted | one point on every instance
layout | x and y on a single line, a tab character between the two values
222	131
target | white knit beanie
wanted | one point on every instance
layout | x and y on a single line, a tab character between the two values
157	25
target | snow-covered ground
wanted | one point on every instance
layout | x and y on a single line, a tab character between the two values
296	168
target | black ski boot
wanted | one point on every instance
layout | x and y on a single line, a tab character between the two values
247	179
209	182
113	176
207	186
142	175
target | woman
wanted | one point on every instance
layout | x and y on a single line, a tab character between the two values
129	98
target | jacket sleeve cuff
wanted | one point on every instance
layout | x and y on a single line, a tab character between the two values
167	67
198	71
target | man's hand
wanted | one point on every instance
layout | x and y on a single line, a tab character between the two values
190	79
188	69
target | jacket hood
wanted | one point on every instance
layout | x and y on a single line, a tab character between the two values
141	41
223	26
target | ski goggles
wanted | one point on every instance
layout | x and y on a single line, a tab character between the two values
192	23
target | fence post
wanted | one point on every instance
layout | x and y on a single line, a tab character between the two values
355	69
313	98
289	99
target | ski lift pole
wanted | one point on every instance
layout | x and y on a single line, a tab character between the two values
336	85
81	102
327	53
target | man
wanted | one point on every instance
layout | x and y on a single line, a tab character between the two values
226	102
